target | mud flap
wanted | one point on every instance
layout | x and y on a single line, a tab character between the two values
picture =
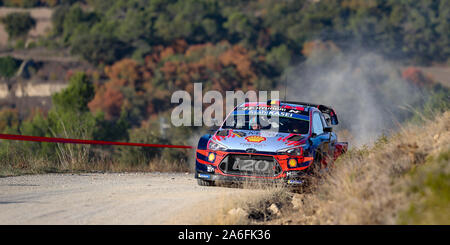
340	148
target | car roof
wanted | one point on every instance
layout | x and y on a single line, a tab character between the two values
305	105
281	103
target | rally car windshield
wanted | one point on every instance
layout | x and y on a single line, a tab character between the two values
278	124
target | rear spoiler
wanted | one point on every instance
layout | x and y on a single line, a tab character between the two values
323	108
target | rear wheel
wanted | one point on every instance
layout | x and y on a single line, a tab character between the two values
205	182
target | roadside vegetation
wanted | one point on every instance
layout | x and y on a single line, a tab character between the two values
140	52
70	118
401	179
8	66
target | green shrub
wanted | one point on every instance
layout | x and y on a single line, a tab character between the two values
68	118
18	24
20	44
140	155
76	96
99	49
279	57
21	3
431	186
436	102
9	119
8	66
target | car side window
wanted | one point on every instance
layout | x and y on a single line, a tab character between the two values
324	122
317	124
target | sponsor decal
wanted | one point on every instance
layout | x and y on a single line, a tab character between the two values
271	108
247	145
204	176
292	162
211	157
268	134
239	134
255	139
295	182
291	114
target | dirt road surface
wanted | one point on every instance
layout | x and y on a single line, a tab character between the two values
130	198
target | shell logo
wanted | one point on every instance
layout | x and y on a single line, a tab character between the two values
255	139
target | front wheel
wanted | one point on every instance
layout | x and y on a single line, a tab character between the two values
316	166
205	182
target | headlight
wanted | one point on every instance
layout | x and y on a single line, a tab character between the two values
297	151
216	146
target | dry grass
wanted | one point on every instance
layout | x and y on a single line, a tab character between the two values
373	185
19	158
253	204
76	162
401	179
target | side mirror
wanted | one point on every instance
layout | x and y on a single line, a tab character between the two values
328	129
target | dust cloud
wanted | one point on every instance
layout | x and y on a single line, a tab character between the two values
366	91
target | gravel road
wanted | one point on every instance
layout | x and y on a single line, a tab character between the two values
105	198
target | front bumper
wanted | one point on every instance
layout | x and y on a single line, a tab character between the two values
210	170
290	178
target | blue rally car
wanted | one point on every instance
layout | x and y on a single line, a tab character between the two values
269	141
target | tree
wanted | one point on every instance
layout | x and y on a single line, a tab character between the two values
99	48
18	24
419	22
240	26
194	20
279	57
443	30
76	96
69	117
22	3
8	66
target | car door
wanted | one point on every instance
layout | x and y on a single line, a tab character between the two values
320	139
329	145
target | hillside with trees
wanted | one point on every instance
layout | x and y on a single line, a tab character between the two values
142	51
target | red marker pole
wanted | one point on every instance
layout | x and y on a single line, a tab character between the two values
88	142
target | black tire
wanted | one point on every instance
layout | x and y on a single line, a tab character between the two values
205	182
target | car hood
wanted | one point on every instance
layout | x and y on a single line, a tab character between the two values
265	141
